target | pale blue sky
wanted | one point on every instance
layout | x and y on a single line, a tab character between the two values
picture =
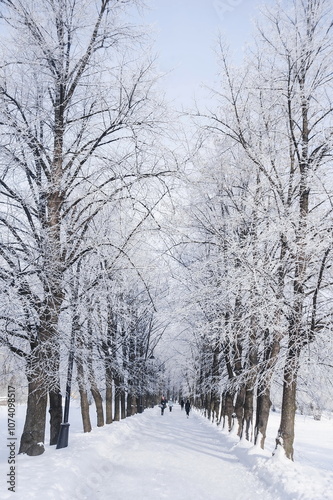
185	37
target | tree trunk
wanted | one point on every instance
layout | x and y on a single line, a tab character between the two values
117	407
248	411
108	395
99	405
262	414
215	395
239	410
207	405
96	394
228	409
249	388
110	356
287	424
84	403
108	405
252	376
263	390
217	408
33	436
117	398
123	403
131	405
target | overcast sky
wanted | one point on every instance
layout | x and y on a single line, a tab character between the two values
185	34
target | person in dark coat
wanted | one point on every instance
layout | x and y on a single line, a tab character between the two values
182	403
163	405
187	407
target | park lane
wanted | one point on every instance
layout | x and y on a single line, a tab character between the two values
180	458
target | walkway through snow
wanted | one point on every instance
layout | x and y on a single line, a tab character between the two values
150	457
176	458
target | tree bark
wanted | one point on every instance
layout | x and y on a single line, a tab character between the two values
239	410
117	398
99	405
131	405
108	394
95	392
264	404
286	431
84	402
248	411
123	403
250	382
228	409
33	436
263	390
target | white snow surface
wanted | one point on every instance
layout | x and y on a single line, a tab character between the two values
149	456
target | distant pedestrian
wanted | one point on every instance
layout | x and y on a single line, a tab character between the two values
163	405
188	407
170	403
182	403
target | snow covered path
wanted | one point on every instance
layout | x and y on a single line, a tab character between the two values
150	457
185	459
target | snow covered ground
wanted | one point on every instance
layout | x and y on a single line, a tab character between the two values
148	456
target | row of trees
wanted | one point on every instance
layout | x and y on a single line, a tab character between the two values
258	286
82	170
